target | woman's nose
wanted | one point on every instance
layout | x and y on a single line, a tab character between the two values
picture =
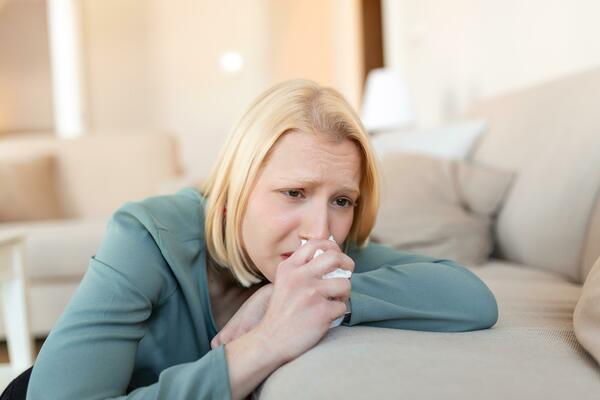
316	224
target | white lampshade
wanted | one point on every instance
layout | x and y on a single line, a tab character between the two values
386	103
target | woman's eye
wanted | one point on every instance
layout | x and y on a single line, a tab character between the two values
293	193
343	202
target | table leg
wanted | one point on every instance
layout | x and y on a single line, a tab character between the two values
16	313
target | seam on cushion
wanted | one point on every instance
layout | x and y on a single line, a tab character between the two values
584	248
463	203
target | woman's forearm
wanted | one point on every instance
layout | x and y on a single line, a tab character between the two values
250	360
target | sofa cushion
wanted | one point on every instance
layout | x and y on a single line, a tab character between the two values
550	135
586	318
441	208
100	172
28	188
362	362
531	352
529	297
453	141
59	249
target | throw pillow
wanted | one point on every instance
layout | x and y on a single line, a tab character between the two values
441	208
454	141
27	189
586	318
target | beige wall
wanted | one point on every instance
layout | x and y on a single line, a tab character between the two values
198	100
454	52
25	86
154	64
301	40
118	57
318	40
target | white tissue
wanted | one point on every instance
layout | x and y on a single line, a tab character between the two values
338	273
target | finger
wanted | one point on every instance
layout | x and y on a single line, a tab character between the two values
214	343
343	299
306	253
337	309
329	262
227	334
335	289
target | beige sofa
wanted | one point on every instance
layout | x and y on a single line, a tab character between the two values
93	175
547	239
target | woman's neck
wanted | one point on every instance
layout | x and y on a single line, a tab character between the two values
221	281
226	295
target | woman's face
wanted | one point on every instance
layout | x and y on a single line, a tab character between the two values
306	190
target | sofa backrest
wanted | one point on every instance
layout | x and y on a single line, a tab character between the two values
550	135
97	173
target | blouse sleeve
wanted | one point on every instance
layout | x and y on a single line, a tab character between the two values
91	351
395	289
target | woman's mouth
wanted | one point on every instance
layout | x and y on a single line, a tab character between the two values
286	255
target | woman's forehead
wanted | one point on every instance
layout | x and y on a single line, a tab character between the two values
310	159
299	145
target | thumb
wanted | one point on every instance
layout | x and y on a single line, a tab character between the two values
215	342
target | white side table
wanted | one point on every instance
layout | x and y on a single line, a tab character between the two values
13	296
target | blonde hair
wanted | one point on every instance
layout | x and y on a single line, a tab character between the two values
295	105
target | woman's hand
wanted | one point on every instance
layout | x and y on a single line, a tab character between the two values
246	317
303	304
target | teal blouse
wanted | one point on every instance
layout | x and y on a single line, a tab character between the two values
140	324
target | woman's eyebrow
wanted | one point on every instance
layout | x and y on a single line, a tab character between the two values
313	182
351	190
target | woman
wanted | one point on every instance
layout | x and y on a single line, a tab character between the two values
204	293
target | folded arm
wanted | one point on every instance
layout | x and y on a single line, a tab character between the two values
395	289
91	352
